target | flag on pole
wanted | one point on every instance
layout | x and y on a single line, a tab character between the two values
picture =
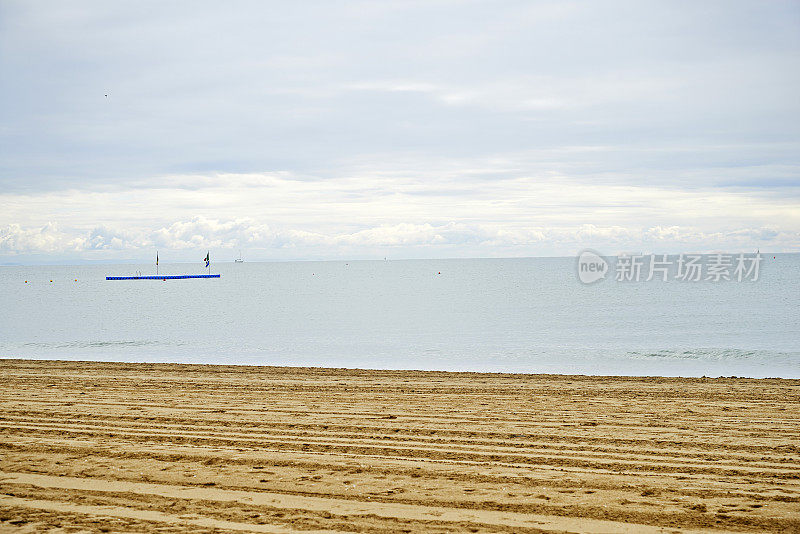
156	257
207	260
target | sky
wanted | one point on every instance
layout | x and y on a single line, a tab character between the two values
403	129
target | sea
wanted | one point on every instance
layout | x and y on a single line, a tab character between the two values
521	315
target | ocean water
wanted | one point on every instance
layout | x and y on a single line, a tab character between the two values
510	315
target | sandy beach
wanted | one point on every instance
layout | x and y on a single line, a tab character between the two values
104	447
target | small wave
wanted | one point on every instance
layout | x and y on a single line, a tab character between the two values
91	344
716	354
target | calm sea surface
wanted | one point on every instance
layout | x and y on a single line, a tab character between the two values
519	315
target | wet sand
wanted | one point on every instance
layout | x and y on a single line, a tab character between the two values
102	447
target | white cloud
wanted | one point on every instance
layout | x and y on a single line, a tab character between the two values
104	238
478	208
201	232
185	238
46	239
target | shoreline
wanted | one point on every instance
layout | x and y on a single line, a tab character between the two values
391	371
188	448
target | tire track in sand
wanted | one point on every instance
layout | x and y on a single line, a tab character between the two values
669	454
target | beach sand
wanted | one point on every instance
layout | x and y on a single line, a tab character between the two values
104	447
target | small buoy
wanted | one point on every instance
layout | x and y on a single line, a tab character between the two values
440	272
76	279
51	280
26	281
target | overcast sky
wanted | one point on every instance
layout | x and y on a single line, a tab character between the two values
431	128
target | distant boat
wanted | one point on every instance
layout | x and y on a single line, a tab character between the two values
239	259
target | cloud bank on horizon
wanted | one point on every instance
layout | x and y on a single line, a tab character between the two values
315	130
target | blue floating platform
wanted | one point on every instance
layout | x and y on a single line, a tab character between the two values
163	277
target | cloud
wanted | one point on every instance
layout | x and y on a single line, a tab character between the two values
103	238
475	208
47	239
200	232
442	127
183	239
282	88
